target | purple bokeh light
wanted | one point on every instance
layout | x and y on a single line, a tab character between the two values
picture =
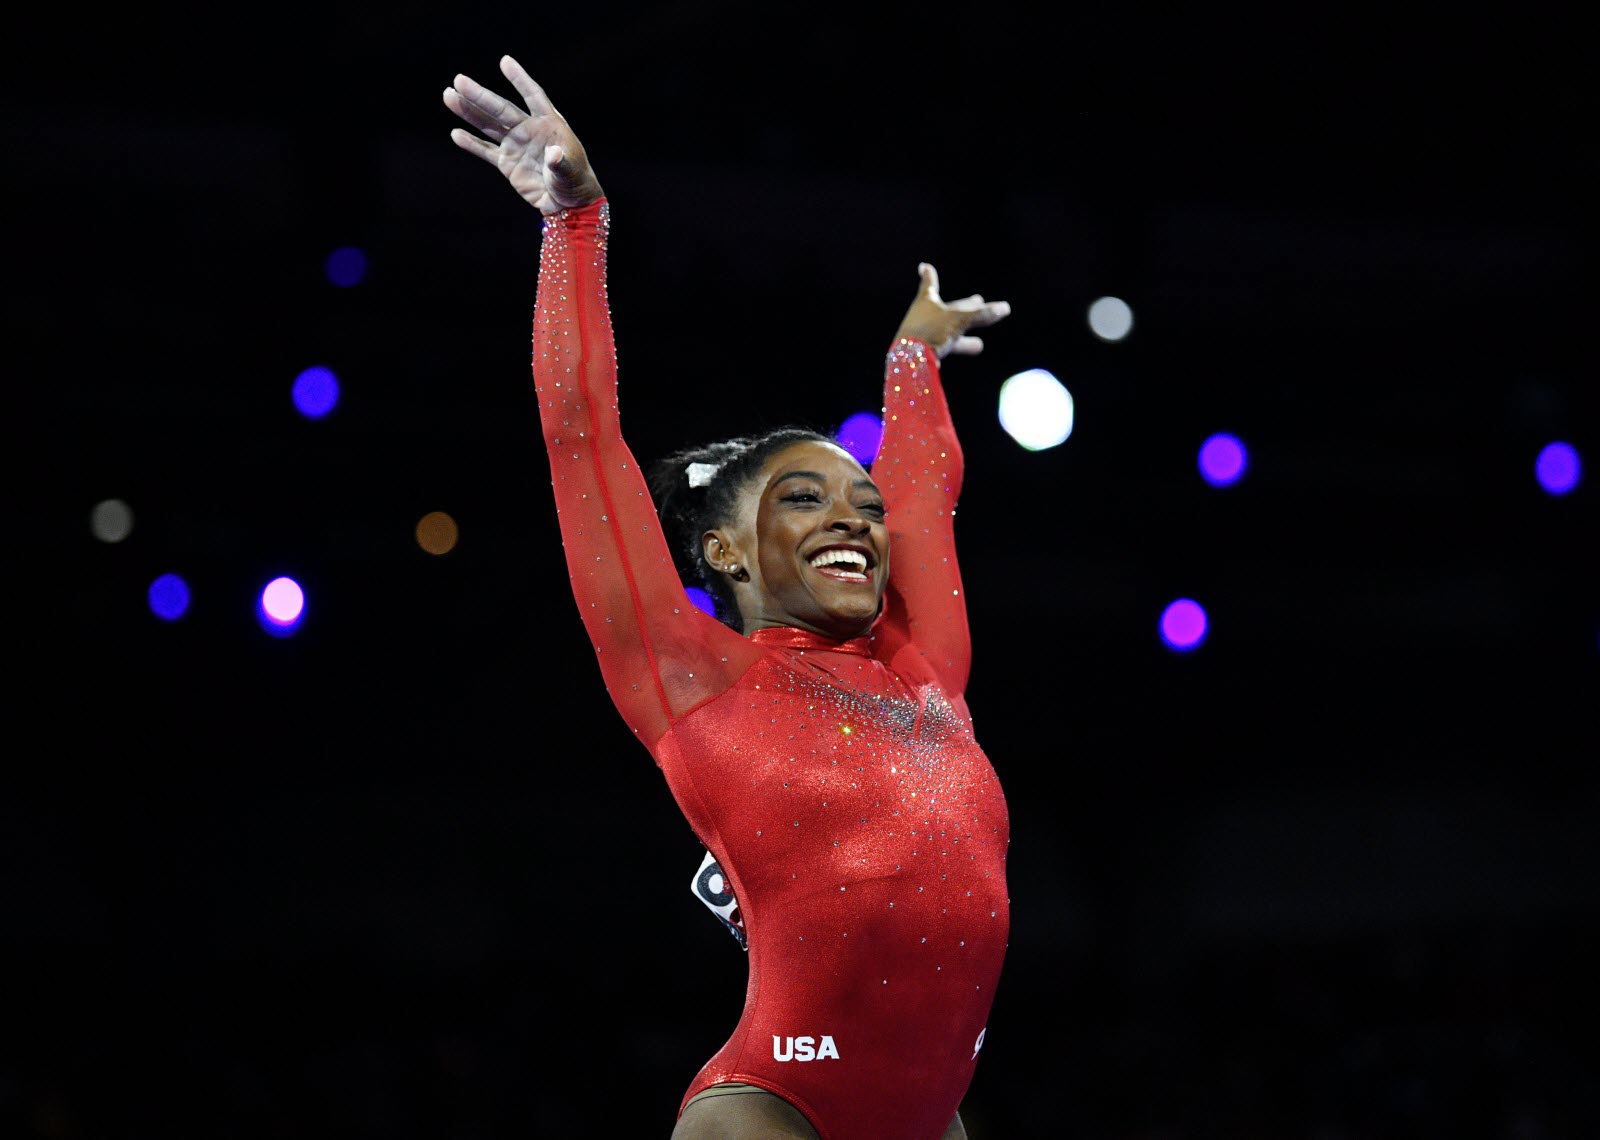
861	435
316	391
1558	468
345	266
702	600
1183	625
281	607
169	597
1222	460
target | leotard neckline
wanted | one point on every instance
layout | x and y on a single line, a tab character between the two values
788	637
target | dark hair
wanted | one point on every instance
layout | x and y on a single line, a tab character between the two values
688	512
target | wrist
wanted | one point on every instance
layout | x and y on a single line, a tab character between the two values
913	341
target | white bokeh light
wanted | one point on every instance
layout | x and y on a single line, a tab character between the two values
1110	318
1036	409
111	520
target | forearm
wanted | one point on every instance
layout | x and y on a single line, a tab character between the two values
919	469
917	425
574	354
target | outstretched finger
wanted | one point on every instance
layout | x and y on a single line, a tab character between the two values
930	280
488	103
967	346
472	144
988	314
532	94
469	112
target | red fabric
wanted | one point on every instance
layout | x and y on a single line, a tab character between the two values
860	826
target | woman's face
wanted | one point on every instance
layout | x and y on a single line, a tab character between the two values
810	532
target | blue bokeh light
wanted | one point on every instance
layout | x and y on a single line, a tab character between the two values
169	597
346	266
316	391
1222	460
702	600
1558	468
1183	625
861	435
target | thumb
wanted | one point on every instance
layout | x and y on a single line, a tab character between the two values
930	278
553	157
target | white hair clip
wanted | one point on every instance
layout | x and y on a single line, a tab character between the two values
700	473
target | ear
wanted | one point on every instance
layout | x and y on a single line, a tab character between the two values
722	552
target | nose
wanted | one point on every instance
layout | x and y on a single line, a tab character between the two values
847	520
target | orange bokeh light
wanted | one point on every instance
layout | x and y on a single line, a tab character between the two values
437	532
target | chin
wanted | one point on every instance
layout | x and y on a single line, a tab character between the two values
850	624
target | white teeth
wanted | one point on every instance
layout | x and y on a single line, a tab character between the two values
828	557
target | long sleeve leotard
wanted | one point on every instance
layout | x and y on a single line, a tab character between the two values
837	784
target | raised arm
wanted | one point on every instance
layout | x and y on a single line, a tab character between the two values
919	469
658	653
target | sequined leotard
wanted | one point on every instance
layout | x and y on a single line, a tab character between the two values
838	784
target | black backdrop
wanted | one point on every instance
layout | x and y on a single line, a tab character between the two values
406	874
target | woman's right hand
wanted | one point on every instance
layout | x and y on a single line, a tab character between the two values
945	325
535	149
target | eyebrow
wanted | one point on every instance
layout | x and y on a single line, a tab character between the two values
862	484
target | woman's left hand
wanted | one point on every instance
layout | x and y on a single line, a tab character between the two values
535	149
943	325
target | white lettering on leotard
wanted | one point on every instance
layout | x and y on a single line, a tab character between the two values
803	1049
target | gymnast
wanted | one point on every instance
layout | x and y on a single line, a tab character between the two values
814	731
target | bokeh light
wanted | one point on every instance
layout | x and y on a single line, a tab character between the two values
1558	468
861	435
1036	409
1222	460
1110	318
111	520
437	532
281	606
316	391
702	600
168	597
346	266
1183	625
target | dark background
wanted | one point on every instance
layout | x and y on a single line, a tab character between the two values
406	874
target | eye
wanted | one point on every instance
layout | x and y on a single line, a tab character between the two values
875	508
803	497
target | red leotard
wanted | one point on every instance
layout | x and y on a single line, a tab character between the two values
861	828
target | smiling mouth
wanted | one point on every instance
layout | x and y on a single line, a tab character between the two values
841	565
